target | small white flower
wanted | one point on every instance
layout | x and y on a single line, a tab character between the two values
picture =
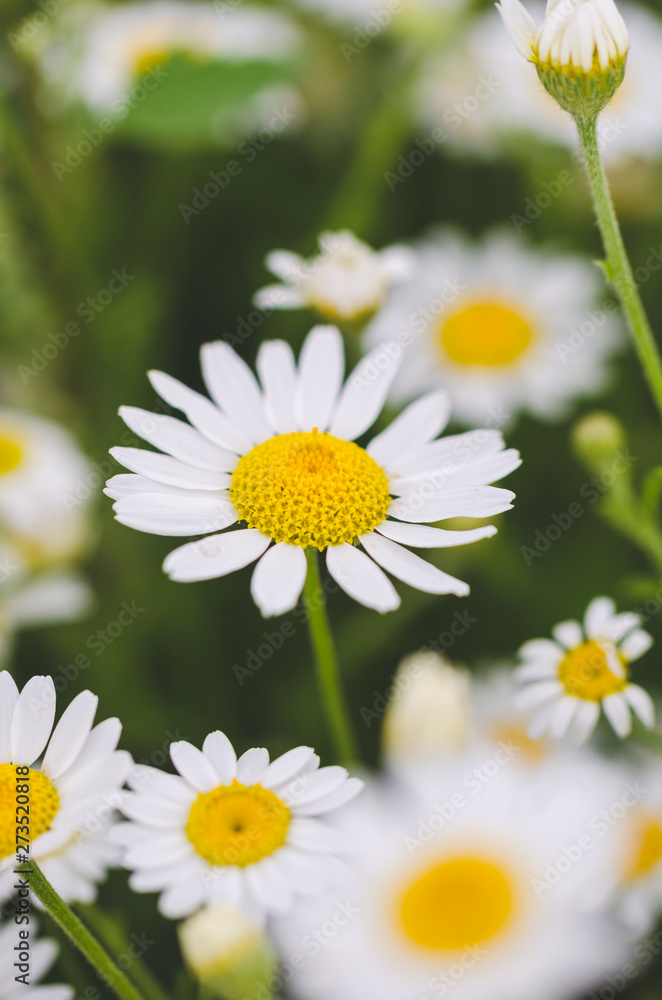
243	832
584	668
281	458
42	952
45	490
499	326
72	794
457	891
347	280
574	33
114	46
429	712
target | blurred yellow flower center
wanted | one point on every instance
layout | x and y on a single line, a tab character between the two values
593	671
11	454
310	489
237	824
484	333
150	59
647	849
456	904
532	750
32	792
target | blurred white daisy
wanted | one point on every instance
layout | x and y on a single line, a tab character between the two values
418	17
71	794
347	280
31	599
467	891
42	952
45	490
641	838
244	832
498	720
281	458
488	100
568	678
501	326
113	47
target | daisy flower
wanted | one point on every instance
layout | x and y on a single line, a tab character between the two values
72	793
456	892
508	106
113	47
583	668
280	457
347	280
501	326
43	952
641	839
44	490
244	832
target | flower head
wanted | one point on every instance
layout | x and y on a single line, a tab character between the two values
243	832
72	794
281	457
347	280
583	669
41	953
579	50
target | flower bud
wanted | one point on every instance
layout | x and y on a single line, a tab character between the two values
596	438
579	51
228	954
429	712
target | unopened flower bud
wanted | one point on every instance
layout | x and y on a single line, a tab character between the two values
596	438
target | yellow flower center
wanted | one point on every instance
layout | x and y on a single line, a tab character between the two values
458	903
647	848
25	801
591	671
237	824
150	59
11	454
531	750
310	489
484	333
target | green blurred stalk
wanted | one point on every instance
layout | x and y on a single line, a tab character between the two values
113	937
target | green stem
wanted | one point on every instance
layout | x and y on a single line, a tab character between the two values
67	920
617	264
113	937
328	670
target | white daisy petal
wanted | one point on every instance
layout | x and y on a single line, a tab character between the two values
616	709
361	578
538	693
278	579
541	649
535	672
252	765
194	766
309	834
418	423
234	388
178	439
278	297
157	784
456	501
181	899
8	699
568	634
165	469
285	265
365	391
598	615
170	514
269	887
584	722
636	644
216	555
70	734
202	413
321	369
278	374
421	536
153	812
32	720
641	703
563	713
410	568
333	800
219	750
287	766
